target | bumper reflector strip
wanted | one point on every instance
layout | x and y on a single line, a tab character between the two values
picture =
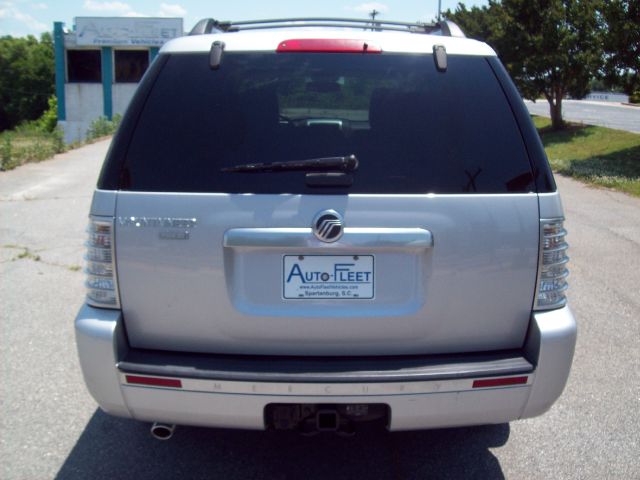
499	382
154	381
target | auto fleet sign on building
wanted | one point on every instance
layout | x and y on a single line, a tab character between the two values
131	31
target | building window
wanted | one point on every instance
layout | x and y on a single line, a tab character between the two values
84	66
130	65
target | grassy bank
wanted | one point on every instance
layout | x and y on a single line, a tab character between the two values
596	155
19	147
32	143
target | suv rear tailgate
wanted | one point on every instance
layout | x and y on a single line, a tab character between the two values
182	289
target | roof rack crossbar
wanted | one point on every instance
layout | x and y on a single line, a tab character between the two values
370	23
328	24
445	27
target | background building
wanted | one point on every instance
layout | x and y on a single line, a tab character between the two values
99	64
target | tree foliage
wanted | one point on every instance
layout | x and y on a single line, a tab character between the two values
622	44
552	48
27	78
481	23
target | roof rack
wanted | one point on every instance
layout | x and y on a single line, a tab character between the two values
444	27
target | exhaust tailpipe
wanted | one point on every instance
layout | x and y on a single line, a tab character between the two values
162	431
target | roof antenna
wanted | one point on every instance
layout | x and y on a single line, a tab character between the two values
373	14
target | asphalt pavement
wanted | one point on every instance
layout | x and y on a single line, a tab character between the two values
51	428
605	114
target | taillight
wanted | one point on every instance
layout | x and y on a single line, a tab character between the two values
552	270
101	283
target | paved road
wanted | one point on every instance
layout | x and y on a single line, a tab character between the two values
50	427
611	115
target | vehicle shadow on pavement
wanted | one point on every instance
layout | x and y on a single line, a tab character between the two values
116	448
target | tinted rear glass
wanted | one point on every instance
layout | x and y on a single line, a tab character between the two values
412	128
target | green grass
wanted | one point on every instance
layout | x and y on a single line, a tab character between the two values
31	143
595	155
20	147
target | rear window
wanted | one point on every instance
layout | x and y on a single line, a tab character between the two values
412	128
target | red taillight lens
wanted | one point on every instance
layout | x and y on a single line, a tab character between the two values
327	45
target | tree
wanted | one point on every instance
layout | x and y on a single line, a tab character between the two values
27	78
481	23
551	48
622	44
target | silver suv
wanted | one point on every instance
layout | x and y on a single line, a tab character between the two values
311	223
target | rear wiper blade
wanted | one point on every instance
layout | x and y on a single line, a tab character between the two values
324	164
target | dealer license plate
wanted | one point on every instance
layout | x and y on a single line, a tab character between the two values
328	276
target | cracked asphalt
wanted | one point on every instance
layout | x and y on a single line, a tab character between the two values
50	426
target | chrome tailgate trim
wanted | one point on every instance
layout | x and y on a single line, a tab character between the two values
371	238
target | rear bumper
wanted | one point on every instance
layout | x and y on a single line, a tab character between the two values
423	395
